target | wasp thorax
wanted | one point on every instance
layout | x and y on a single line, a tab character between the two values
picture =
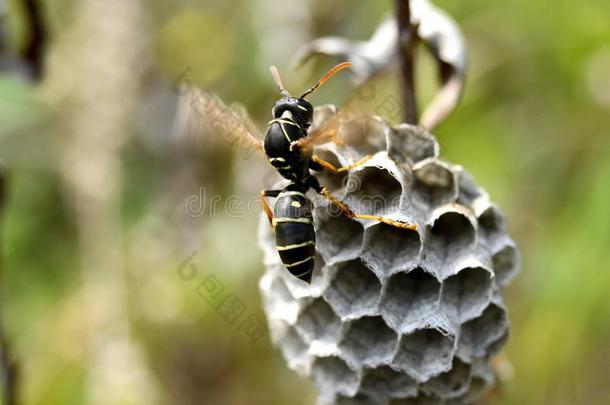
391	313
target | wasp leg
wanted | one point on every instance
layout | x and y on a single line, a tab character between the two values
317	162
351	214
268	193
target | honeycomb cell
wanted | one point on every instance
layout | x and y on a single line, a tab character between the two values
451	384
375	191
357	339
388	249
336	181
492	225
321	114
318	322
408	143
506	264
338	238
468	191
281	304
433	183
332	375
482	380
294	350
451	237
479	336
384	382
354	291
409	298
466	294
365	134
424	353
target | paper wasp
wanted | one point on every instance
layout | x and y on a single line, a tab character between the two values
288	145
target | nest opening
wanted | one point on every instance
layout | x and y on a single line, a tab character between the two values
334	182
361	333
452	383
355	289
481	334
319	322
374	191
389	249
425	353
386	382
468	292
434	184
409	298
331	374
342	237
451	236
506	264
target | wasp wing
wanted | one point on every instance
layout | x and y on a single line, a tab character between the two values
231	123
332	125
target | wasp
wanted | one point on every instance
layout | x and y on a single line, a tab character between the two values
288	146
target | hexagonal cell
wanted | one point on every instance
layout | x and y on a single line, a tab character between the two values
424	353
375	191
409	297
467	189
354	291
334	182
433	183
294	350
388	249
450	238
368	341
450	384
481	336
280	303
408	143
385	382
492	225
322	113
366	134
338	238
506	264
319	322
465	295
332	375
481	381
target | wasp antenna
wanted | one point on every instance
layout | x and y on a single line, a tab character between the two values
327	76
278	81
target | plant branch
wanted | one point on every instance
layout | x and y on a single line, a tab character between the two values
8	366
407	44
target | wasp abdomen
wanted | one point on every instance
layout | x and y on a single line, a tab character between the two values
294	233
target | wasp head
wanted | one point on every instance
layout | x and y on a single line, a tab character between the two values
301	110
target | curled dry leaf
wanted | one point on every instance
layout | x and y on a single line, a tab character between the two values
435	28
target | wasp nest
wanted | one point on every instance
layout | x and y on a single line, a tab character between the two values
395	316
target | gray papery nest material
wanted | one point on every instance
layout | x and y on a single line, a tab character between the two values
390	313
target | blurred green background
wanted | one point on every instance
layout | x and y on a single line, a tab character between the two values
100	176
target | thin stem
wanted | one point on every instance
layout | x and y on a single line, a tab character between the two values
8	367
407	43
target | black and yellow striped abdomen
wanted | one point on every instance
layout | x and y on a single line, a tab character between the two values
294	231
